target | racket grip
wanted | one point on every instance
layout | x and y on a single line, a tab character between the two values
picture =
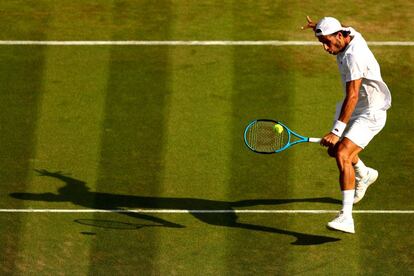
314	140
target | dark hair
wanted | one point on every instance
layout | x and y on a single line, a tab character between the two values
344	33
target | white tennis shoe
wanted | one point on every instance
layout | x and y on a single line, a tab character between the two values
363	183
342	223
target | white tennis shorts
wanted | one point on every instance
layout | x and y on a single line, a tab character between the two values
362	127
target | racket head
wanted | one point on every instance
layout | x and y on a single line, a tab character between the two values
260	136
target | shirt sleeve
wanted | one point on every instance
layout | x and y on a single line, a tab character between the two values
354	67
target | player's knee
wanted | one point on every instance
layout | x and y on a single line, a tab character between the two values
343	156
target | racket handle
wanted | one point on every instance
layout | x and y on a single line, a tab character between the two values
315	140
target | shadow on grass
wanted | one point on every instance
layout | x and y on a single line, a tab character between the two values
77	192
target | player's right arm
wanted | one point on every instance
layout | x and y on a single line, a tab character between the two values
350	101
348	107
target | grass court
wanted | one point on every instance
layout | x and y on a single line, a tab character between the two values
155	127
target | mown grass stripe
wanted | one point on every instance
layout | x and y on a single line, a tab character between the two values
68	132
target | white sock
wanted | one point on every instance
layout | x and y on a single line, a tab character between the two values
347	202
360	169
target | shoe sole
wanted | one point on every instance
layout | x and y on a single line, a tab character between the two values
340	229
357	199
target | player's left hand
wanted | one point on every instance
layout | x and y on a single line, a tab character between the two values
329	140
310	25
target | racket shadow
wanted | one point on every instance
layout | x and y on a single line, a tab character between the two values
77	192
120	225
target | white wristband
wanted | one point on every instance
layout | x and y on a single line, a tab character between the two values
338	128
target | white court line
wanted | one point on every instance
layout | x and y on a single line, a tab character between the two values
183	211
188	43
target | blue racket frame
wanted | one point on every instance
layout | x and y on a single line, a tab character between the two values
302	139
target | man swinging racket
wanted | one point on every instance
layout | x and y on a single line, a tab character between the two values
359	117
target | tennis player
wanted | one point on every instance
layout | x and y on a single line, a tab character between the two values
359	117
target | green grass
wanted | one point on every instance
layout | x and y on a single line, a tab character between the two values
161	128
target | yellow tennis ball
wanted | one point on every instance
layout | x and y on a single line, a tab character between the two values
278	128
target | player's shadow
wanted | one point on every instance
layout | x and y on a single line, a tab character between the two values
77	192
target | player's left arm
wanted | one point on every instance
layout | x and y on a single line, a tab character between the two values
348	107
309	25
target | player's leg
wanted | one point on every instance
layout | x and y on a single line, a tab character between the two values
345	154
360	168
362	130
364	177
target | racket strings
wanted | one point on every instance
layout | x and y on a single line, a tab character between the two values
263	138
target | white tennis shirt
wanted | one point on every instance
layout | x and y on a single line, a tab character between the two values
356	62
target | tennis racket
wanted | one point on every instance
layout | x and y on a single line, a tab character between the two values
270	136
